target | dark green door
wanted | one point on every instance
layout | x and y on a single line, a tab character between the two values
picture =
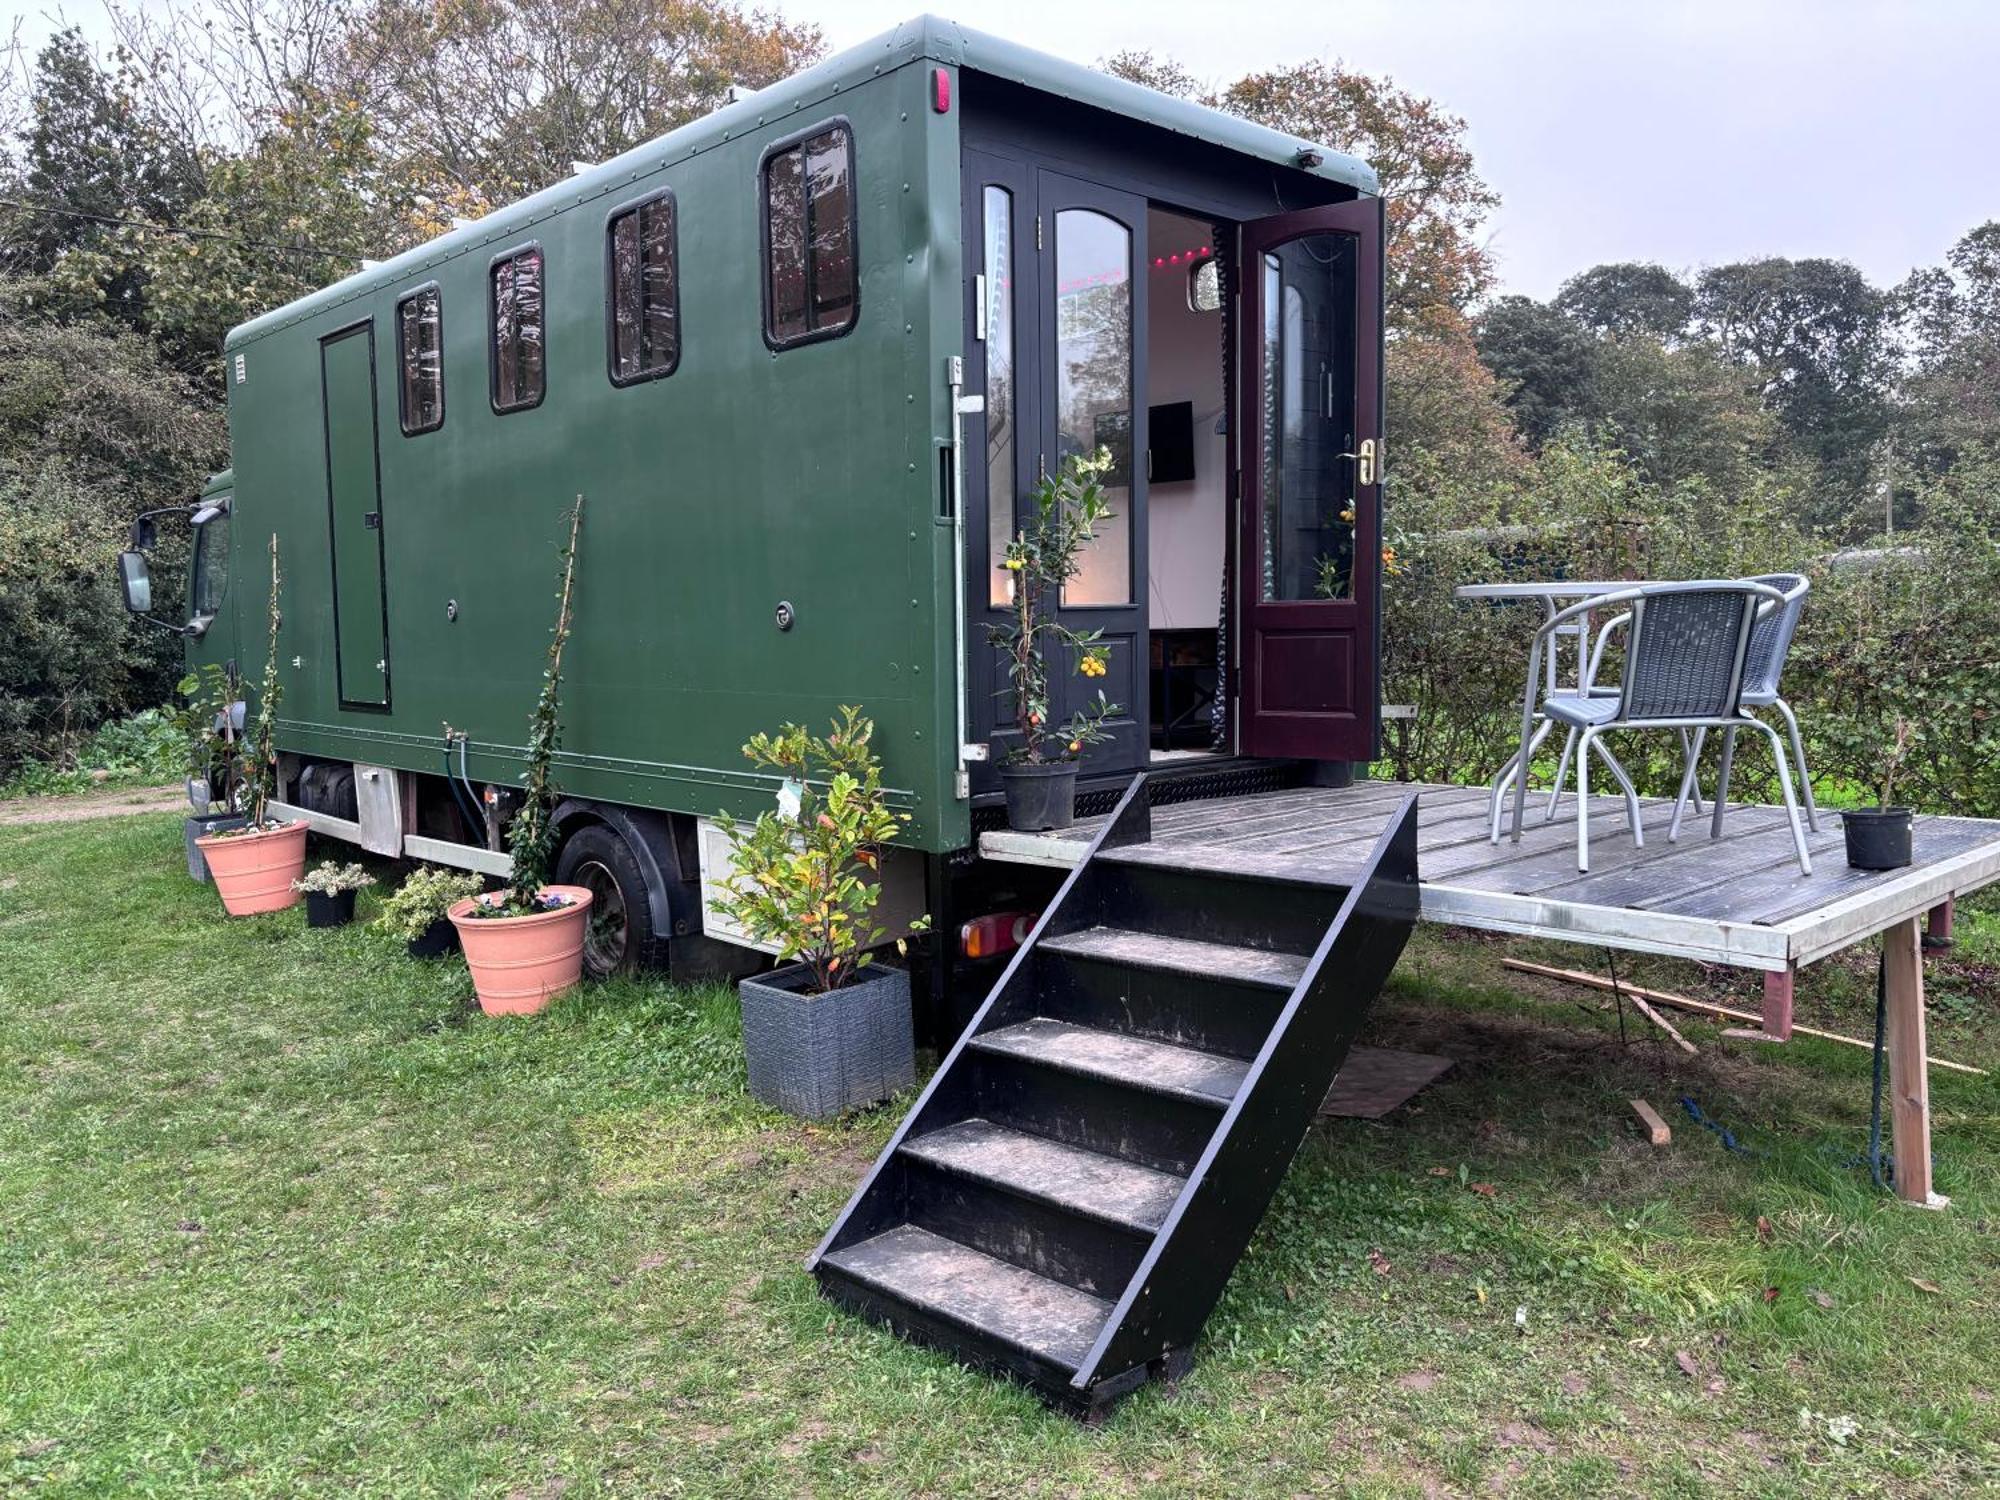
354	516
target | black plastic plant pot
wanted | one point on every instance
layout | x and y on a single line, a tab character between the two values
438	940
1040	798
200	826
1878	838
329	910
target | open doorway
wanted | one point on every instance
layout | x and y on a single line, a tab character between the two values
1188	495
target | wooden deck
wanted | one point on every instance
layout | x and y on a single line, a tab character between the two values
1737	900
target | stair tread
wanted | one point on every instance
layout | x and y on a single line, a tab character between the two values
942	1277
1157	1066
1152	950
1072	1177
1199	858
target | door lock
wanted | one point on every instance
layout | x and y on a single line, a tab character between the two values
372	520
1364	461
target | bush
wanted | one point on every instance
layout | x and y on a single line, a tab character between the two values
141	750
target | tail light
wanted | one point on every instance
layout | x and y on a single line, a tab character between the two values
995	933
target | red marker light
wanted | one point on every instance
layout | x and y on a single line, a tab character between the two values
940	91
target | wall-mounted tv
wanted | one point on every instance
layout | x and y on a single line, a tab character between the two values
1170	430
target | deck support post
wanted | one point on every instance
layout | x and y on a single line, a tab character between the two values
1909	1071
1937	924
1778	1003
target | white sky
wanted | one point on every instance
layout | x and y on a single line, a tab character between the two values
1684	131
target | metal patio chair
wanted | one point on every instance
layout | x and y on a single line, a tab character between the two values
1684	670
1770	644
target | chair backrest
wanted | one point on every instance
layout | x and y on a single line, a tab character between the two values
1684	658
1771	639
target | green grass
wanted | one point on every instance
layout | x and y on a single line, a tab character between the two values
281	1216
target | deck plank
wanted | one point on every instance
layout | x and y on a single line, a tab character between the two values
1734	899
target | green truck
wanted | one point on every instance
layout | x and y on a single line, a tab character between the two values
805	358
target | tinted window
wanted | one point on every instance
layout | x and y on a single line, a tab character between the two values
519	355
811	280
420	356
645	293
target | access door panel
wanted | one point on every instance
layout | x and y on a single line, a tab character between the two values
354	517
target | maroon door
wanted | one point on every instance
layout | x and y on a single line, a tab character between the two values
1309	543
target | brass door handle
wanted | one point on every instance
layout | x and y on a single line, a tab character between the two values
1364	462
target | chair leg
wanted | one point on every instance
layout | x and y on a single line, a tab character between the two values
1722	781
1632	814
1530	741
1583	803
1693	752
1503	779
1689	778
1799	759
1562	775
1791	802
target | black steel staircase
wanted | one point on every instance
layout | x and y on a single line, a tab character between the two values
1068	1198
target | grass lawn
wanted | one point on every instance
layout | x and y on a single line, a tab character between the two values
282	1216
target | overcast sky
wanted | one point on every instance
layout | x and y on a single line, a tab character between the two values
1689	132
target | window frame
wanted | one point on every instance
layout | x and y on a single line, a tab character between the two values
796	141
634	206
402	383
525	247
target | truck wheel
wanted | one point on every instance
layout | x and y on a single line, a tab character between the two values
621	937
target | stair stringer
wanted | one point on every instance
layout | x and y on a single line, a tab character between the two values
1072	909
1184	1271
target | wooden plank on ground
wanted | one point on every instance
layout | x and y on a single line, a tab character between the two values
1657	1133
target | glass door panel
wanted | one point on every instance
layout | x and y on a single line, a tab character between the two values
1093	337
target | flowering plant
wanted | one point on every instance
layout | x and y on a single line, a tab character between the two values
331	879
424	898
805	873
1043	557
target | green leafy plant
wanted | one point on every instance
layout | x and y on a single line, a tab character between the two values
331	879
257	752
530	838
1043	558
805	874
409	911
202	718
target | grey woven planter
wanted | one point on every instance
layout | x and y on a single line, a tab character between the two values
817	1055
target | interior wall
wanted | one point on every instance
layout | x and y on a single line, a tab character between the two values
1184	363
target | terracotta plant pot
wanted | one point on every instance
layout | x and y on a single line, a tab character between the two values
519	964
254	872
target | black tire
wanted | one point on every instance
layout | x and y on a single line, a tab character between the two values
621	939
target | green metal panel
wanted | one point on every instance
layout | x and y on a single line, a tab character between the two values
354	517
744	479
747	478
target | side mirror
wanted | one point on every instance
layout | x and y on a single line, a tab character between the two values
144	533
136	579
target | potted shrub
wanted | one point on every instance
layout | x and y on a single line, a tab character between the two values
330	892
255	865
418	910
1039	774
524	944
830	1029
1878	837
209	731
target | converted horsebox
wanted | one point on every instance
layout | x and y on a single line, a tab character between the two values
806	359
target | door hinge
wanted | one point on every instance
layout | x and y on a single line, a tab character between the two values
1038	231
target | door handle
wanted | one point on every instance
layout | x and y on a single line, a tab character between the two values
1364	462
